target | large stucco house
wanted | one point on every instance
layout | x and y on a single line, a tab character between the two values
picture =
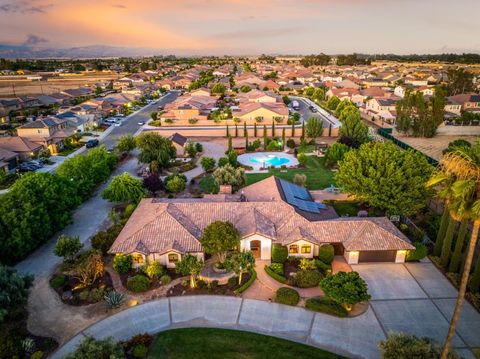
270	212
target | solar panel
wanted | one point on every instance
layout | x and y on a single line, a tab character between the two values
308	206
321	206
300	197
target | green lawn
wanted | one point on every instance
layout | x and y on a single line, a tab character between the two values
198	343
318	175
207	185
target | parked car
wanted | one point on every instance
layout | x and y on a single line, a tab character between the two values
141	123
27	166
92	143
36	163
313	109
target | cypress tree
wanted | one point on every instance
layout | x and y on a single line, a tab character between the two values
246	142
245	134
264	137
457	253
236	131
303	131
474	282
283	138
447	243
293	127
330	130
230	146
273	128
437	249
255	130
228	132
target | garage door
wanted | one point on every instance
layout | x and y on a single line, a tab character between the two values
377	256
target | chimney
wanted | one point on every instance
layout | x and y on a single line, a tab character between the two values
225	189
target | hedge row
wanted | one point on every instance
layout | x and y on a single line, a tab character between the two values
248	283
277	277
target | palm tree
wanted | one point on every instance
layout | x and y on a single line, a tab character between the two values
462	168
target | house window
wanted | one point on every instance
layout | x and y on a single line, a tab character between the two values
293	249
306	248
137	258
173	258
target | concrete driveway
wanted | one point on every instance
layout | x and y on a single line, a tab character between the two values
417	298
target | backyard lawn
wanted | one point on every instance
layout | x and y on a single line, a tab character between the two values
318	175
198	343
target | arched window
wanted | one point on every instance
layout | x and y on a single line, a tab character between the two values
137	258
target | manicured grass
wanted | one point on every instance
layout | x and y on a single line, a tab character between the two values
346	208
198	343
306	149
207	185
318	175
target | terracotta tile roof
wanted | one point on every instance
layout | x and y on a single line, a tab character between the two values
19	144
158	226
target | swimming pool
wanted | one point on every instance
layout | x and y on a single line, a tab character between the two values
267	159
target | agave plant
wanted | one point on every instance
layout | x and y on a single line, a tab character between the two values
28	344
114	299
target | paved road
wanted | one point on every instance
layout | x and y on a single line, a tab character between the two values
321	114
130	124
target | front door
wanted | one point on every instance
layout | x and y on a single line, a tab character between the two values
256	248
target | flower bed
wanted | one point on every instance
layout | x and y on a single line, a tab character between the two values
326	306
72	292
231	289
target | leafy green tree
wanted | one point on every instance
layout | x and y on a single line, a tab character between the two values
219	88
122	263
333	102
302	159
386	177
189	265
175	183
345	288
459	81
126	143
36	207
208	163
14	290
90	348
343	105
314	128
154	147
245	88
336	153
86	171
219	238
191	149
239	263
67	247
454	266
124	188
154	115
353	127
229	175
154	269
420	117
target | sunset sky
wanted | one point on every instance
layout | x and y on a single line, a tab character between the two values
246	27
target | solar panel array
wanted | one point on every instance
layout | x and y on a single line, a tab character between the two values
299	197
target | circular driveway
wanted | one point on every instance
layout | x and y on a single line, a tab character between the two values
352	337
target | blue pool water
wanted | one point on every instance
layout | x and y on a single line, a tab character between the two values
270	160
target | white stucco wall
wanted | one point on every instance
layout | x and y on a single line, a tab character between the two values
266	245
163	258
351	257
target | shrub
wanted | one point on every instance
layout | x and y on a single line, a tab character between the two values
306	264
144	339
122	263
403	345
326	253
84	295
140	351
138	283
10	344
93	348
67	247
96	295
325	306
57	281
279	254
175	183
302	159
287	296
419	253
345	288
300	179
248	283
326	268
165	279
37	355
291	143
277	268
278	277
103	240
307	278
232	282
223	161
154	270
208	163
114	299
